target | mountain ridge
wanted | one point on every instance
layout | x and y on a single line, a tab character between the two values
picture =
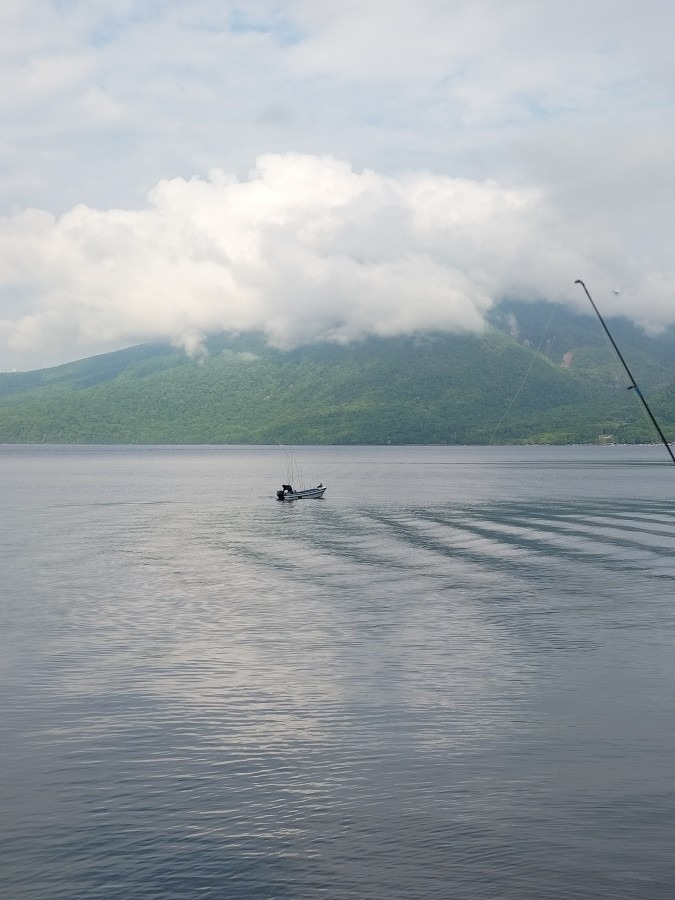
538	374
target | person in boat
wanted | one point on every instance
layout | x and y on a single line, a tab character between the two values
287	488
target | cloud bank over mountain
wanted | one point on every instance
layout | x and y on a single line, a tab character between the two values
304	249
322	171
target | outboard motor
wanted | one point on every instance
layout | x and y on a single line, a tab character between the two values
280	495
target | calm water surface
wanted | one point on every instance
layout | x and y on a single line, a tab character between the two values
454	677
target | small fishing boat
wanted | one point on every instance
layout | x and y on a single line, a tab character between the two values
313	493
293	474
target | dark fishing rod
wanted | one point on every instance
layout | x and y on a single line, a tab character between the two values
633	383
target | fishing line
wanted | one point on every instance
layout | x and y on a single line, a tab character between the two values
633	383
522	384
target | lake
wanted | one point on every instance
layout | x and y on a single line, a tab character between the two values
453	677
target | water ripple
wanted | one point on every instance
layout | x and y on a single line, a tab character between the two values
438	691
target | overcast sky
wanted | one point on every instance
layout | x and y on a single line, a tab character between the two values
326	169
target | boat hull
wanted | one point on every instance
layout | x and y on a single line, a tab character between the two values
308	494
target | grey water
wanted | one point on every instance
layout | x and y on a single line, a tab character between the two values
453	677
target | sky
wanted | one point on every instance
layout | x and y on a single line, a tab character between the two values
324	170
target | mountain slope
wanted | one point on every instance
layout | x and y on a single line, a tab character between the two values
538	374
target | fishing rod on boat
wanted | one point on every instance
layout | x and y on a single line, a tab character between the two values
633	384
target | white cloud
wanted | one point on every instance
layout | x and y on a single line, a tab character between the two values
544	132
304	249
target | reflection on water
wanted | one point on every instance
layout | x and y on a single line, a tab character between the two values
452	677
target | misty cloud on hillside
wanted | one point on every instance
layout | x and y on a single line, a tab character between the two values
413	163
305	249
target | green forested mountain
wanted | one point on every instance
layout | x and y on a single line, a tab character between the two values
538	374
